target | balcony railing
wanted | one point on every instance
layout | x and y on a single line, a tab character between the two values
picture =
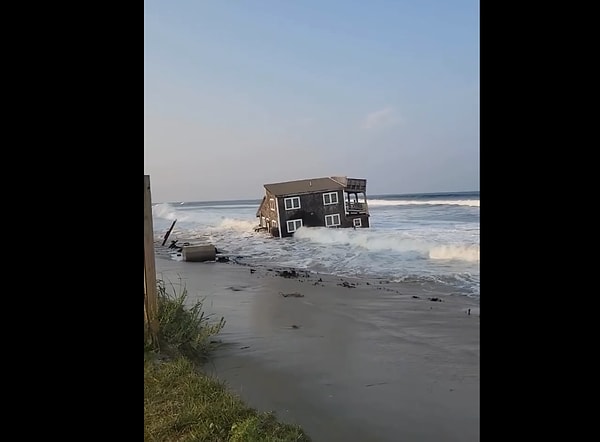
356	207
354	184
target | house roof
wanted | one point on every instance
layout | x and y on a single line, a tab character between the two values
307	186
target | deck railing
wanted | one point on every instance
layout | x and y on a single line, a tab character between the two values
353	207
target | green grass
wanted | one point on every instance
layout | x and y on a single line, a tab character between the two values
183	330
183	404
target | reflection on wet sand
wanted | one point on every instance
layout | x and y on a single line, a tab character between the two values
378	362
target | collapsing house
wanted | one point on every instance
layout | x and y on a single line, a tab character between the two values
317	202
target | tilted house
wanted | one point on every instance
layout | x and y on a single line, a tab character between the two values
317	202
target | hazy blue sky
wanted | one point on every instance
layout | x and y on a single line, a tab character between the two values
239	93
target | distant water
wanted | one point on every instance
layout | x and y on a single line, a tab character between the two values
427	237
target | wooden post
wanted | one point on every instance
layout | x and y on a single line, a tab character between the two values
150	289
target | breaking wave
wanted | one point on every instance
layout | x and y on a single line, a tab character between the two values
425	238
471	203
463	252
237	225
166	211
396	242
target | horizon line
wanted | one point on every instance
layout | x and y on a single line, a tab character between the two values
372	196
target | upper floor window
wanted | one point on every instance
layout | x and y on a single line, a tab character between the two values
272	204
292	203
330	198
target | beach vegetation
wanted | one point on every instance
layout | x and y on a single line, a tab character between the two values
181	403
183	329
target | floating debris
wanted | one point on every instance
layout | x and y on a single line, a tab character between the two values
376	383
236	289
293	295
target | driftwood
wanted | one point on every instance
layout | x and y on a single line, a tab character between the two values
168	233
294	295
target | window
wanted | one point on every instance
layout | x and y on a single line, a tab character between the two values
332	220
356	222
330	198
274	223
292	203
272	204
293	225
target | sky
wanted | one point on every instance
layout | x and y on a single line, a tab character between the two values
240	93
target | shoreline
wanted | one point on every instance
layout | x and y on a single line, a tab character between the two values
345	358
433	286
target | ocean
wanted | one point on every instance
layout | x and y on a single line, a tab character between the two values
429	237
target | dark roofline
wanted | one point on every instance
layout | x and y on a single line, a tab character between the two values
299	187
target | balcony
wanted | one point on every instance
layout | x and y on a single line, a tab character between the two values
356	208
356	185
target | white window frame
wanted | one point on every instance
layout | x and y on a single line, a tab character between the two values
272	204
332	217
292	199
330	198
294	222
273	223
359	222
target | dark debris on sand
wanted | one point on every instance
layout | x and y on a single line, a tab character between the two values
292	274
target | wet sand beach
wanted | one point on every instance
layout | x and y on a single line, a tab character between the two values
348	360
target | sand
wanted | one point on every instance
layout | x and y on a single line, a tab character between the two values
377	362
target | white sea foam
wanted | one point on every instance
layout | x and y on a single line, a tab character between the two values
430	242
239	225
253	206
471	203
391	241
166	211
463	252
